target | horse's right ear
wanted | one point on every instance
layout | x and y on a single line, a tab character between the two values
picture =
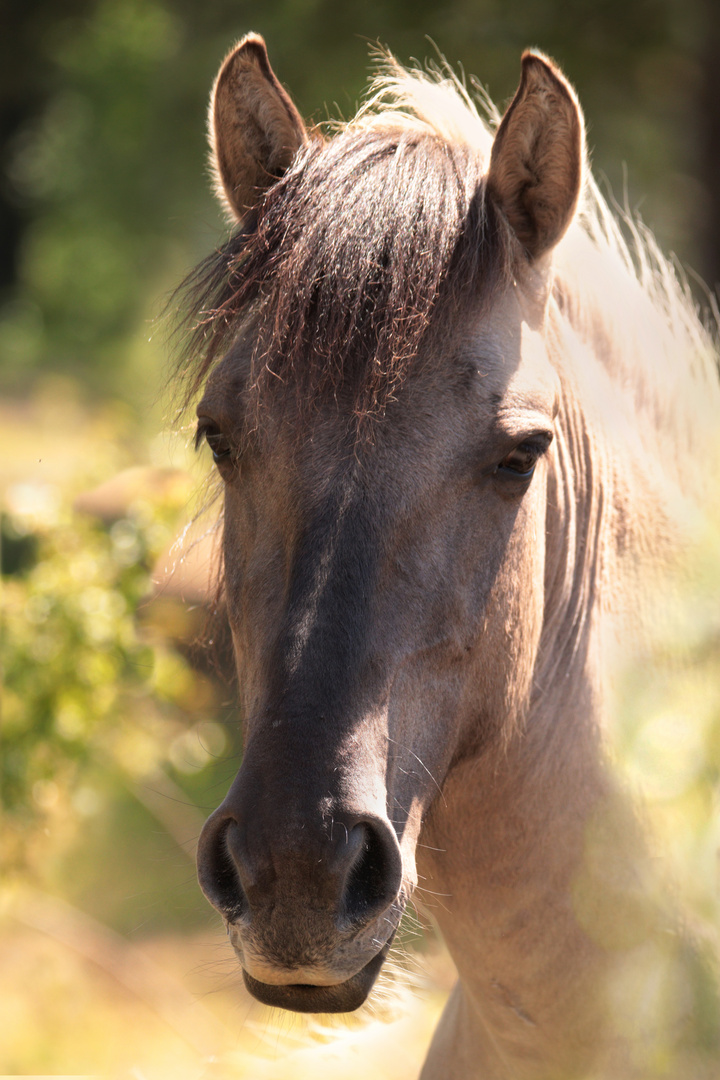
254	128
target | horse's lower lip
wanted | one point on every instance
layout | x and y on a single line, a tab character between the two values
300	997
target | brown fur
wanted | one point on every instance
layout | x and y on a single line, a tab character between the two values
417	616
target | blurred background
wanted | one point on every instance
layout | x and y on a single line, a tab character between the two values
118	735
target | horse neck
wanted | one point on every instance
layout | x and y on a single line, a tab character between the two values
506	849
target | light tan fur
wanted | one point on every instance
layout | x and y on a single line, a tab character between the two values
474	747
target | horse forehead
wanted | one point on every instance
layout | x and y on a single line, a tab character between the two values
502	348
506	347
533	385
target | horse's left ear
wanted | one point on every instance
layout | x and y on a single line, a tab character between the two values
536	165
255	129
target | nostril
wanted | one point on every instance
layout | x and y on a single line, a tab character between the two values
373	880
217	869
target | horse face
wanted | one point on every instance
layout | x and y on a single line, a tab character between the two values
385	598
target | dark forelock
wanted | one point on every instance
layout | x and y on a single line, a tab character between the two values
372	240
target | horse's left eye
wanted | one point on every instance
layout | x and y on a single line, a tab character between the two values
520	463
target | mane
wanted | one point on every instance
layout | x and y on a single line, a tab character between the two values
380	232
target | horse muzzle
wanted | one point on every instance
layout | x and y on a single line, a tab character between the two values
311	901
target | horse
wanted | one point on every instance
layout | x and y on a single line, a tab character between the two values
455	413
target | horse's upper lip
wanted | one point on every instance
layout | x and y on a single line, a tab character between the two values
339	997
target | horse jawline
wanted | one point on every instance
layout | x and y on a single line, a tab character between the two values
300	997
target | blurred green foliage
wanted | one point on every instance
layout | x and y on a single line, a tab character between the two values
71	652
98	692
